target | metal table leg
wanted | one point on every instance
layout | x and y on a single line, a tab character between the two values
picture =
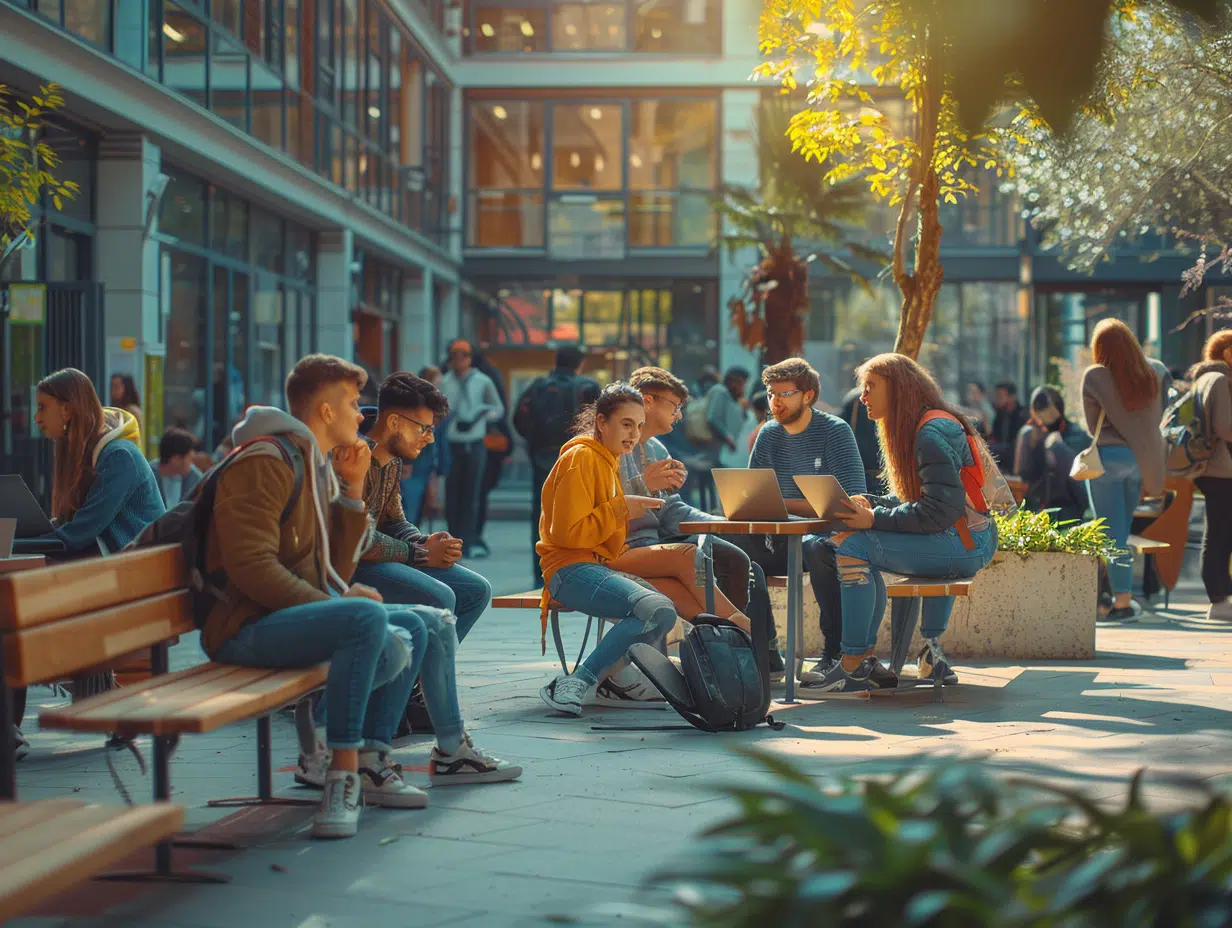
795	595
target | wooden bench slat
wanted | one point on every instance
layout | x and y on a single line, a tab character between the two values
61	591
208	669
898	587
165	705
1146	545
58	649
73	844
16	817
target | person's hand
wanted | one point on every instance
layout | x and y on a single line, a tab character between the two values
361	591
352	466
663	475
443	549
638	506
861	500
857	517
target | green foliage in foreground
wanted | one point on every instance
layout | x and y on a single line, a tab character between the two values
954	847
1026	532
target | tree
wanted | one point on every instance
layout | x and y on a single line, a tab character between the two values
1150	153
794	208
26	162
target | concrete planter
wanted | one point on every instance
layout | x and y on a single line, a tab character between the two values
1021	607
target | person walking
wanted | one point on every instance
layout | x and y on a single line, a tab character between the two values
543	417
475	402
499	442
1212	384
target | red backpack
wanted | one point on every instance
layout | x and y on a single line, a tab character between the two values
987	490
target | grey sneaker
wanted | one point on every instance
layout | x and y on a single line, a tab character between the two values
469	764
818	671
565	694
338	815
384	786
1218	612
312	767
931	656
837	680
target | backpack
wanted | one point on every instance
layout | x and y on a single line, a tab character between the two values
186	524
1184	426
546	412
987	490
696	425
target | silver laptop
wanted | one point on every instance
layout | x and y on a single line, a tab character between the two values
750	494
824	493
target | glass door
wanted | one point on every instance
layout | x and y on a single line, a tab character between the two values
229	367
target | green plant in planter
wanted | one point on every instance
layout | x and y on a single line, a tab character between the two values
1027	532
954	847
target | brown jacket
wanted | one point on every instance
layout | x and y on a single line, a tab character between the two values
271	566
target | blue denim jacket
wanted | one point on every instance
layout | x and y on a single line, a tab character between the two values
941	451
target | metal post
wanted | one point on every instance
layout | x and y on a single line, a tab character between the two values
706	547
795	592
265	773
8	756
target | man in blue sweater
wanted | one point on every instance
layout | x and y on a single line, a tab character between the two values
803	440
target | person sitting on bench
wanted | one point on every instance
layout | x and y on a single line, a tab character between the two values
288	601
933	525
583	528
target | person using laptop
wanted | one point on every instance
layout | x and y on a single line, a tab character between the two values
932	525
802	440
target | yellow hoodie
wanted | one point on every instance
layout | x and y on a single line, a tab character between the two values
584	513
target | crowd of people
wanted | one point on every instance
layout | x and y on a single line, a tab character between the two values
314	527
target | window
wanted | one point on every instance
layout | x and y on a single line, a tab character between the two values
89	19
507	174
511	29
688	26
657	27
587	145
588	26
673	167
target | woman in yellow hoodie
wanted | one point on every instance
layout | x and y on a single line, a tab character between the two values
585	515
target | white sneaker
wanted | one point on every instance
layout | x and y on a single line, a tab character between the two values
565	694
469	764
629	689
384	786
338	815
312	767
1220	612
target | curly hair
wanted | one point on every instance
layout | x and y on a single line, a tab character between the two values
1217	345
796	371
613	396
403	390
656	378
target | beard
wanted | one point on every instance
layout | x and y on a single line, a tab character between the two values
788	418
404	449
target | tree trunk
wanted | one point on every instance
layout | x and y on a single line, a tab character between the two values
920	296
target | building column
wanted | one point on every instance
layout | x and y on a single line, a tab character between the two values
448	297
417	327
125	257
739	161
335	293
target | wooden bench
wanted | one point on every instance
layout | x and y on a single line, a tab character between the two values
48	845
92	613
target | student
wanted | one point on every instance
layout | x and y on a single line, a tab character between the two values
1007	423
583	528
177	475
288	600
1212	382
929	527
727	411
804	440
1044	457
124	395
417	486
1122	400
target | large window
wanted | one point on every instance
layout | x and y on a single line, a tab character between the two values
592	178
690	27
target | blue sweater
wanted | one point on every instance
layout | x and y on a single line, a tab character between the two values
827	446
123	499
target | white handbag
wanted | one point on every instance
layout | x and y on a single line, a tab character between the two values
1087	465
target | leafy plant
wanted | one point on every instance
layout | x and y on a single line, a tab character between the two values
1027	532
26	162
955	847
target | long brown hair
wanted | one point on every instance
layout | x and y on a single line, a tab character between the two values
74	466
913	392
1114	347
1217	345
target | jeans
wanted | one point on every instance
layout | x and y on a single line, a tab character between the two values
940	556
438	675
353	635
454	589
1216	536
462	489
770	552
592	589
1114	496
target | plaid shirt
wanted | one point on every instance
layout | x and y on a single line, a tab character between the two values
395	539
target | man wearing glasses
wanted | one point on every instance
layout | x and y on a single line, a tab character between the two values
802	440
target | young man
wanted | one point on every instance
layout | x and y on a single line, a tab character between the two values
1010	418
727	411
177	475
288	602
649	470
475	402
544	416
803	440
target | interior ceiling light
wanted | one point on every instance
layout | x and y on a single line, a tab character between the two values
172	33
600	164
570	29
575	159
487	30
500	112
596	113
374	112
527	29
656	32
536	161
636	160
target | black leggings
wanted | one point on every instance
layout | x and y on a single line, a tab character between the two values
1216	536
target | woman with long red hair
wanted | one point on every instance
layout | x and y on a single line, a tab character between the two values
1212	385
935	524
1122	397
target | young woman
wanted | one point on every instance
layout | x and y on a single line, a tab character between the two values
582	529
124	395
930	527
1212	382
1122	397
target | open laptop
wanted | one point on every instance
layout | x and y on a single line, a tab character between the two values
824	493
17	502
750	494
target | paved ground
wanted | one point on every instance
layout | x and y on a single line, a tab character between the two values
597	811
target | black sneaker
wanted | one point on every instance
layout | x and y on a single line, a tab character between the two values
933	660
415	720
817	672
834	679
21	747
880	677
1128	613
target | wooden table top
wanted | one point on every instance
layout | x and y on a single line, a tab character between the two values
11	565
795	527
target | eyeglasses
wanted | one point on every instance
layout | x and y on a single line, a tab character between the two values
677	408
770	394
423	429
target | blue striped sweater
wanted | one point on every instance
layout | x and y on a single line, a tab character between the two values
827	446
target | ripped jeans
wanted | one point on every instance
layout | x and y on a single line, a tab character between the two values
592	589
938	555
438	674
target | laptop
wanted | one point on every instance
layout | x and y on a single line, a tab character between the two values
750	494
17	502
8	528
824	493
